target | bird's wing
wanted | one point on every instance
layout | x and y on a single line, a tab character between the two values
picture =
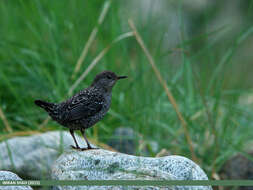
83	105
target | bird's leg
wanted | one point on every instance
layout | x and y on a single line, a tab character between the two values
73	135
88	144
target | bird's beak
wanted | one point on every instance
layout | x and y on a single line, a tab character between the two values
121	77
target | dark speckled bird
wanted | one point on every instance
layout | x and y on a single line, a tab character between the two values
86	108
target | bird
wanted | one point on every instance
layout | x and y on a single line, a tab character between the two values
84	109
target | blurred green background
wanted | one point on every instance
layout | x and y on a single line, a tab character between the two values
203	50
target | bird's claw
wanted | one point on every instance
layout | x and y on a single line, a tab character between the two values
74	147
83	149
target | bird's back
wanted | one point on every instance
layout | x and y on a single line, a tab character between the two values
83	109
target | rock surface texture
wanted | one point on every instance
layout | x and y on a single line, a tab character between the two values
6	175
101	164
32	157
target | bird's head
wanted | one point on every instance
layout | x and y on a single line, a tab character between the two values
106	80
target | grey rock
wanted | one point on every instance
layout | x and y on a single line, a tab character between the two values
123	140
238	167
101	164
6	175
32	157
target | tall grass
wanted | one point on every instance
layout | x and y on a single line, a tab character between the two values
41	42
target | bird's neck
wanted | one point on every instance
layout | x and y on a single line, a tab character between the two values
103	89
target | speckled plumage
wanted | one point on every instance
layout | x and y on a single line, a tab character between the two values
86	108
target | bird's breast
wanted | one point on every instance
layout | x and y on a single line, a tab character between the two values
107	103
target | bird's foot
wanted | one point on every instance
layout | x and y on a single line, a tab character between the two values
89	148
83	149
75	147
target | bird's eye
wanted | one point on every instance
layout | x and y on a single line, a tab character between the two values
109	77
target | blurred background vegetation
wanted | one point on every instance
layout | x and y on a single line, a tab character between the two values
203	49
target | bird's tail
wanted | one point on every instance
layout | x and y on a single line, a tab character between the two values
49	107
